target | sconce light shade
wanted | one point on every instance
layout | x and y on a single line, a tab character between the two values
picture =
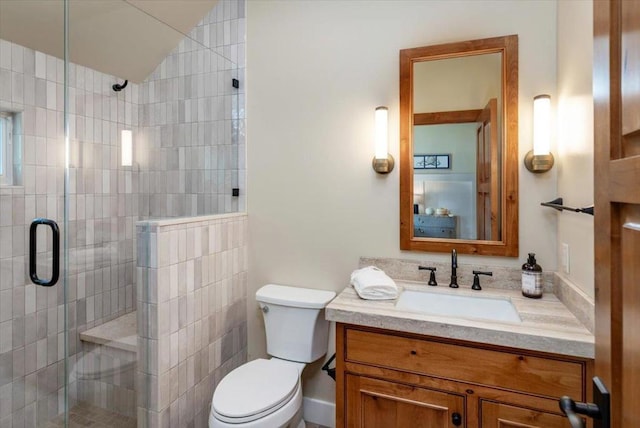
540	158
382	162
382	132
541	125
126	147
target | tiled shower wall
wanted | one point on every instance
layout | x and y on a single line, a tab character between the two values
192	121
191	128
192	318
103	208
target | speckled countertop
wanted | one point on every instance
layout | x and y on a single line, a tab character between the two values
547	325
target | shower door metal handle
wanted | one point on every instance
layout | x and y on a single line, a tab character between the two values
55	268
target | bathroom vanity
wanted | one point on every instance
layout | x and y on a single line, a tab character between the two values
409	369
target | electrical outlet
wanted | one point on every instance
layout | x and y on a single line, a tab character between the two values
565	258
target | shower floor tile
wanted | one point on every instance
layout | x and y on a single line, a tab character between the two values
86	415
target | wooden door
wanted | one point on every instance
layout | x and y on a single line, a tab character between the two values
616	74
487	166
497	415
374	403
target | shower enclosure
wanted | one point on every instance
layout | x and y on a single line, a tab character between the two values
85	169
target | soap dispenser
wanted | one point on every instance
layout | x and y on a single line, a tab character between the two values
532	278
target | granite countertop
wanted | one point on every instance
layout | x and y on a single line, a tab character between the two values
547	325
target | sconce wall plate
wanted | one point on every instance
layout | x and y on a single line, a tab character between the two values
538	163
383	166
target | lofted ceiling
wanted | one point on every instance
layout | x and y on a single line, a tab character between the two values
125	38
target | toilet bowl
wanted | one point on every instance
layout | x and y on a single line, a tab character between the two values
267	393
261	393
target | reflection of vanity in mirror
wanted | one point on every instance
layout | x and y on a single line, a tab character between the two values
458	144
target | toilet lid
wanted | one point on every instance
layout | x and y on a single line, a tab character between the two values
255	388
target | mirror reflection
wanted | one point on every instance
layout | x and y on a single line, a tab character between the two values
459	129
456	147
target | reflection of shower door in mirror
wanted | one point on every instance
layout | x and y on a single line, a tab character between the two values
488	197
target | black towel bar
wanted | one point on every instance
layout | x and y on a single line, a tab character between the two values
557	204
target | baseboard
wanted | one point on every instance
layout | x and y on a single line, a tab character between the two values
319	412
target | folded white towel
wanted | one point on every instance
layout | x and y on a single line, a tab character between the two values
372	283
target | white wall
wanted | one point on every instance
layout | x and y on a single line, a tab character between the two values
316	72
450	84
575	138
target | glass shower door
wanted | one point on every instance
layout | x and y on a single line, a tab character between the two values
34	212
71	208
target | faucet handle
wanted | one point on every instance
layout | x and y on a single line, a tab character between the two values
476	279
432	275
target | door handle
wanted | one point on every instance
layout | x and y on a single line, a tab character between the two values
55	268
600	410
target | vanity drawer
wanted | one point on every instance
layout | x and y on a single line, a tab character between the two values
434	232
434	221
430	226
519	372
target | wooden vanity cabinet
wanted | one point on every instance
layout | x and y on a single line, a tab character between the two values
391	379
498	415
377	403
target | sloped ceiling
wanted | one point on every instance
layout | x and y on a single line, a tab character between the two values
125	38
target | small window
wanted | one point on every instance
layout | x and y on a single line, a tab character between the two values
10	148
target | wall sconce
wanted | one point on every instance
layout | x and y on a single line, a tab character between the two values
382	162
126	147
540	158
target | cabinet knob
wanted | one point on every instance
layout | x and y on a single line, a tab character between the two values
456	419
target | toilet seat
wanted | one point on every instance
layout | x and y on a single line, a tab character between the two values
255	390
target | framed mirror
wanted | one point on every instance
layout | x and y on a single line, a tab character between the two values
459	147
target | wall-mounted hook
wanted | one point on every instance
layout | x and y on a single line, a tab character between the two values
118	87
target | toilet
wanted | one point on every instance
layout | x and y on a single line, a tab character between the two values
267	393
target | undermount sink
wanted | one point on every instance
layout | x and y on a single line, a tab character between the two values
459	306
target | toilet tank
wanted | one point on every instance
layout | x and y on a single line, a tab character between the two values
294	321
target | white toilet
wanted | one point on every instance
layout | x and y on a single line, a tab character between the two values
268	393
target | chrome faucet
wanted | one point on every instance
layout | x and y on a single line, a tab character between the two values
454	266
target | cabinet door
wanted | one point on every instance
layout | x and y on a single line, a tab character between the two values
373	403
496	415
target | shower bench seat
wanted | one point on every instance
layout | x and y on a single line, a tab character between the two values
119	333
106	370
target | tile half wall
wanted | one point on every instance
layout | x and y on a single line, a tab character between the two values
192	318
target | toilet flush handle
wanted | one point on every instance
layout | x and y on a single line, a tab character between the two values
265	309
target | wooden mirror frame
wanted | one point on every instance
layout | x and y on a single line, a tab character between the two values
508	245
